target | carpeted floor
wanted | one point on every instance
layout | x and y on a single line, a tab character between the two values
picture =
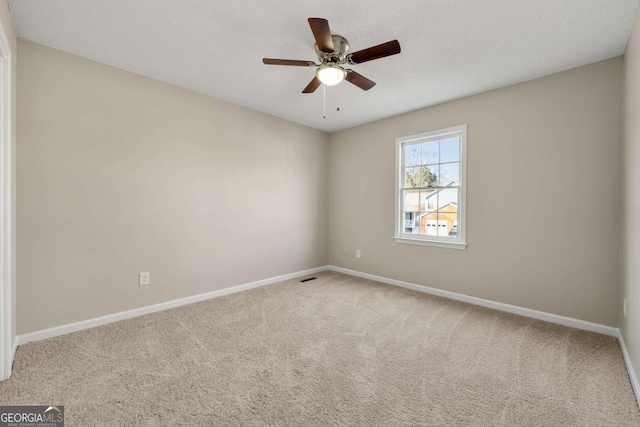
338	350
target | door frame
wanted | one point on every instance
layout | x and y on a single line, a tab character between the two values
7	347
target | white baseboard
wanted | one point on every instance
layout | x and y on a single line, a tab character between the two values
99	321
526	312
632	372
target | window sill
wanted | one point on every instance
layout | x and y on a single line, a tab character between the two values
436	243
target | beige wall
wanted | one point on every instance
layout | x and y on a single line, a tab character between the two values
119	174
7	25
544	156
630	326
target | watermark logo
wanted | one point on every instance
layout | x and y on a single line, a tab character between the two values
31	416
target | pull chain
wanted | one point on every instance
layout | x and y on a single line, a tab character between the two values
324	101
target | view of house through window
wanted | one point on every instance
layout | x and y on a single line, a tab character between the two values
430	187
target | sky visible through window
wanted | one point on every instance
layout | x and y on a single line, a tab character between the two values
427	152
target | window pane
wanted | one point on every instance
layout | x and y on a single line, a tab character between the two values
430	152
428	224
411	225
447	224
450	174
450	149
412	177
432	202
447	197
412	155
410	200
428	200
429	175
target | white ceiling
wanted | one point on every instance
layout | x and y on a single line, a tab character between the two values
450	48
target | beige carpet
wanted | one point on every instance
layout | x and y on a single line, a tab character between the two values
334	351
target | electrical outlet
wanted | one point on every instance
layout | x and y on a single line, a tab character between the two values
624	307
144	279
358	253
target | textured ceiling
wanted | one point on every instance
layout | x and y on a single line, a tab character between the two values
450	48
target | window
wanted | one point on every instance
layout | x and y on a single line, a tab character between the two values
431	188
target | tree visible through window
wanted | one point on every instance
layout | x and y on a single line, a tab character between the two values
431	187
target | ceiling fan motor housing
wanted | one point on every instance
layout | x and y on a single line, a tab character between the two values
339	55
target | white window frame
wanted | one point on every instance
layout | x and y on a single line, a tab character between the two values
460	241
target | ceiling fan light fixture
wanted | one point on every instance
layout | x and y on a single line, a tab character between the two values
331	74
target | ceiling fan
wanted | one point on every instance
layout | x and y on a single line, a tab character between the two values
333	53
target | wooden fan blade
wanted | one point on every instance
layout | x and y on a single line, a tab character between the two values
322	34
313	85
271	61
359	80
376	52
